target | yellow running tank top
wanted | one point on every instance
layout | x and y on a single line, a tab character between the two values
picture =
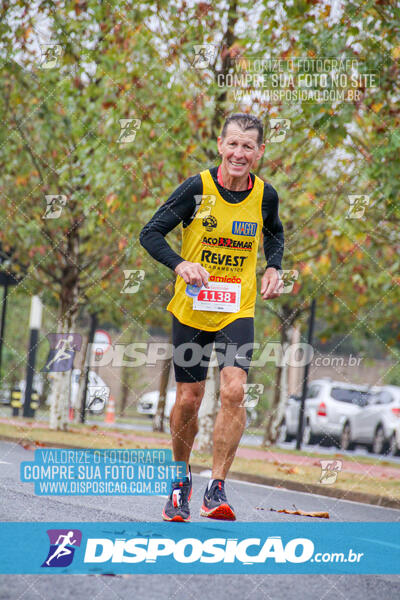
223	238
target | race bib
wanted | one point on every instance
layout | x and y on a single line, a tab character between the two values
218	297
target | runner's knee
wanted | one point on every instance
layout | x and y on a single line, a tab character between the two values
188	400
232	393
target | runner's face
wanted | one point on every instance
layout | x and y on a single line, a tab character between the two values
239	150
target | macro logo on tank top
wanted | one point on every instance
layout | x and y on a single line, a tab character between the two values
244	228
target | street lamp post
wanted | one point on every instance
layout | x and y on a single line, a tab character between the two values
35	321
93	327
305	380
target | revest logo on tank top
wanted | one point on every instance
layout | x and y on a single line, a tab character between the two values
223	260
244	228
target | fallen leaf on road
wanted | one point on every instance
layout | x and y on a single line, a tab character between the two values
303	513
28	445
287	469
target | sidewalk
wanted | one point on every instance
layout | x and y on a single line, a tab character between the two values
269	456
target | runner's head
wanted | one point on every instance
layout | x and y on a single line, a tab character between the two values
241	143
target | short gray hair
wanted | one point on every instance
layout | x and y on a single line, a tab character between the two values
246	122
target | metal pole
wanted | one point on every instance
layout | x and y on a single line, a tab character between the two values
93	327
3	322
34	325
305	380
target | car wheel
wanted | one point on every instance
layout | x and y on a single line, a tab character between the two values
283	435
308	437
393	449
378	444
345	438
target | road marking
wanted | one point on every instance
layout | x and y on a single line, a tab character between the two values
4	462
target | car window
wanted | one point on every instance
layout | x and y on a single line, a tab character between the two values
350	396
383	397
313	391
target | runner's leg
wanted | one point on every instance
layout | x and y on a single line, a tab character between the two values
230	421
190	366
183	419
231	418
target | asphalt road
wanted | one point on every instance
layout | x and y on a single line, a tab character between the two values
252	503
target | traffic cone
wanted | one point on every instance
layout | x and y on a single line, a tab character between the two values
110	413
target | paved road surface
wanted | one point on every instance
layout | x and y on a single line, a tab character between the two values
18	503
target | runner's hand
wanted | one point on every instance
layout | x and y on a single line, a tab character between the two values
193	273
271	284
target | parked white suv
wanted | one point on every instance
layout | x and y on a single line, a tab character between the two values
376	426
328	408
148	403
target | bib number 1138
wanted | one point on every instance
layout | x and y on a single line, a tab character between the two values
220	297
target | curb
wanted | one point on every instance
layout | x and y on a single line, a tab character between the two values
312	488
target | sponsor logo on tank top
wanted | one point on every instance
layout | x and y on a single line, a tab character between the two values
225	279
227	243
225	260
209	223
244	228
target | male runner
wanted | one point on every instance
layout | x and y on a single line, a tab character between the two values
223	211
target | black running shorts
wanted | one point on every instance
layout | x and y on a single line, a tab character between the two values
192	348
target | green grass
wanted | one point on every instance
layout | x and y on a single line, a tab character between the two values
32	434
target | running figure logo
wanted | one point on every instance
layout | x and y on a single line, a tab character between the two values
289	278
208	201
278	129
132	281
54	205
358	203
62	351
50	55
129	127
204	54
252	393
62	547
329	470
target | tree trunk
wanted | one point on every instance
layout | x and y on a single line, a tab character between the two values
81	388
60	389
69	298
124	391
208	409
158	421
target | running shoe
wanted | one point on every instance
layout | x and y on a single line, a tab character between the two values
177	506
215	504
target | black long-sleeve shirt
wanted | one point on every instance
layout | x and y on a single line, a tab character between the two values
181	207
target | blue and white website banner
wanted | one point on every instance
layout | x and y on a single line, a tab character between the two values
210	547
73	472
